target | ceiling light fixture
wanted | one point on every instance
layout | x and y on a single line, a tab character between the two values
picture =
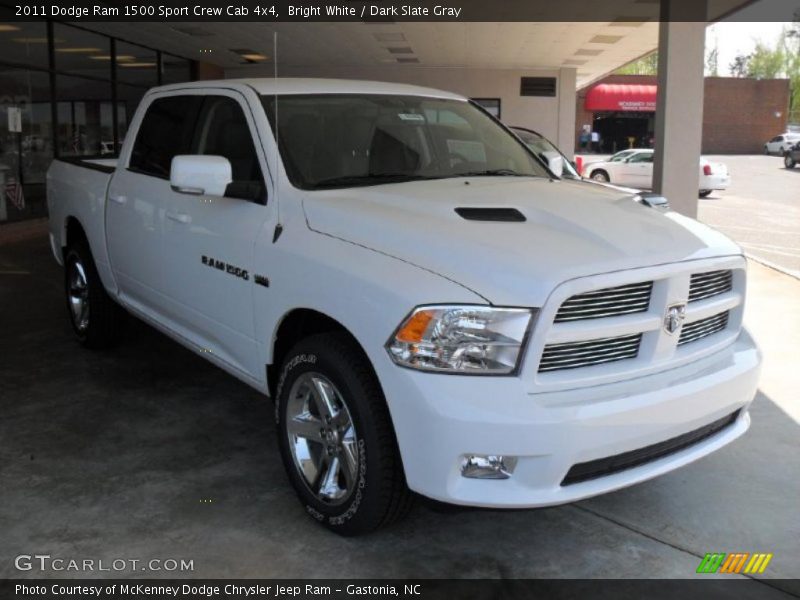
120	57
30	40
78	50
605	39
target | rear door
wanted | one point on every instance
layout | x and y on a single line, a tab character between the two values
209	240
137	198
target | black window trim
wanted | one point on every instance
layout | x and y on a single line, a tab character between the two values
205	93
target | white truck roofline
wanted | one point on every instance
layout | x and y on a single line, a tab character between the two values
292	85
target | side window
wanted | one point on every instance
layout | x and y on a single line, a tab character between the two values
642	157
166	131
222	130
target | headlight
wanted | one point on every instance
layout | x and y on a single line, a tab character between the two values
461	339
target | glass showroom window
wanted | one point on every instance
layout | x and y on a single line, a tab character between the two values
174	69
136	65
25	142
81	52
85	123
23	42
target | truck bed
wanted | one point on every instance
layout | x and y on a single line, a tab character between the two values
78	188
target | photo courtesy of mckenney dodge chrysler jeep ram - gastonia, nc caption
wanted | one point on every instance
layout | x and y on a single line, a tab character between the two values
432	309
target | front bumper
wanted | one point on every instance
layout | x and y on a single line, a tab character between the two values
441	418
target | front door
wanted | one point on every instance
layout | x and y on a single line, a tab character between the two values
637	171
209	240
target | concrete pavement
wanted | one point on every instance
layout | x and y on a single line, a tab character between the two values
148	451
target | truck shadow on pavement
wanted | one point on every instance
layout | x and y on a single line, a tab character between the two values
149	451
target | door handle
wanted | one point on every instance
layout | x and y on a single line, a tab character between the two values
118	199
179	217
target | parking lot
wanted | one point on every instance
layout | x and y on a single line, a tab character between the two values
761	209
150	452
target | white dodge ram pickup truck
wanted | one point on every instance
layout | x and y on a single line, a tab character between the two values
432	309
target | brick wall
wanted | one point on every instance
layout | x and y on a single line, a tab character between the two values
739	114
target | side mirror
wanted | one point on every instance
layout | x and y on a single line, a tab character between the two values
556	165
200	175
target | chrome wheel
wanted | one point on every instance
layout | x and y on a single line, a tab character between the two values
78	295
599	176
322	438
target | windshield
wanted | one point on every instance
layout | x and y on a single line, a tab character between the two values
620	156
545	149
346	140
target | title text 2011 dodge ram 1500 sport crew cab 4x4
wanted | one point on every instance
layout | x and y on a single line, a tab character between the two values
431	307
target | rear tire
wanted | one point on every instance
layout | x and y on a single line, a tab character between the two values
788	161
96	319
336	437
704	193
600	176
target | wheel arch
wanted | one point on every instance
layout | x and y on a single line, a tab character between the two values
296	324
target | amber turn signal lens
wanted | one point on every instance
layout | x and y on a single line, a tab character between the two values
414	329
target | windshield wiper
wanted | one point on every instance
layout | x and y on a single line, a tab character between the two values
371	179
494	173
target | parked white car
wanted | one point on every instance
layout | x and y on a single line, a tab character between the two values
430	308
781	143
634	168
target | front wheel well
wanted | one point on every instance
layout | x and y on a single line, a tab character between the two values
296	325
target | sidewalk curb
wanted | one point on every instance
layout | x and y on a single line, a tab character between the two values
771	265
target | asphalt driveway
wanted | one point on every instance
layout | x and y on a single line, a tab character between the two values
761	209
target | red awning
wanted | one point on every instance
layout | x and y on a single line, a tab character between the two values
625	97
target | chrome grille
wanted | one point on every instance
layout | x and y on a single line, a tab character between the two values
573	355
703	328
608	302
713	283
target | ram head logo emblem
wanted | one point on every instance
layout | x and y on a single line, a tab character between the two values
674	317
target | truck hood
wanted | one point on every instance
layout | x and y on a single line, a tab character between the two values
572	229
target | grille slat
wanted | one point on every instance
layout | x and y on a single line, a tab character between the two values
712	283
573	355
608	302
703	328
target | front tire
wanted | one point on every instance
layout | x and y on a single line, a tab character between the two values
336	438
600	176
96	319
704	193
788	161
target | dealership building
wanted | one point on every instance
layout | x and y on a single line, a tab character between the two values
739	114
71	90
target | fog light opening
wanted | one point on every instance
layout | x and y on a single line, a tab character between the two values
480	466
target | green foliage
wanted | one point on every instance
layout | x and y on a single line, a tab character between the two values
646	65
779	61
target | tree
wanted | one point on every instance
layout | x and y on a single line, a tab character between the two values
738	68
646	65
765	62
712	62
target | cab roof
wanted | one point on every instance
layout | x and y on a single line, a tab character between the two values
292	85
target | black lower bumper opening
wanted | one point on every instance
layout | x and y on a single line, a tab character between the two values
627	460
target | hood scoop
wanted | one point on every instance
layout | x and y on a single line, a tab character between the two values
509	215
